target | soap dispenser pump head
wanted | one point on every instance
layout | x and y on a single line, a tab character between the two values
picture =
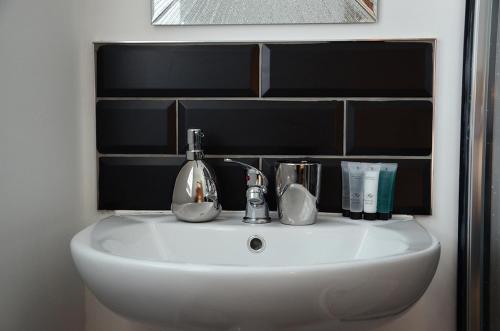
194	138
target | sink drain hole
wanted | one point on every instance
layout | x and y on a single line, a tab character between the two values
256	244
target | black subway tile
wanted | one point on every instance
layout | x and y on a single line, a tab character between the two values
413	187
136	126
412	194
248	127
136	183
348	69
177	70
231	179
389	128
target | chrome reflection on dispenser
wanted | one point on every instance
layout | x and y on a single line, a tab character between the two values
297	190
195	197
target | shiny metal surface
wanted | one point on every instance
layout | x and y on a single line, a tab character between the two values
297	191
195	197
493	182
203	12
257	210
476	188
194	138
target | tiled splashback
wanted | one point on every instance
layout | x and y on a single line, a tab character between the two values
331	101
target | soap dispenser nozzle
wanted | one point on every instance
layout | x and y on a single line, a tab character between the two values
194	151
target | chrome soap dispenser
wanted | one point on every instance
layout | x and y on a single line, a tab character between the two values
195	197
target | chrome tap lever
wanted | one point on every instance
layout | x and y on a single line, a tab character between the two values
255	177
257	211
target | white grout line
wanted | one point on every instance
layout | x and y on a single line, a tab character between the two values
429	39
434	93
345	129
260	70
261	156
270	98
139	155
177	126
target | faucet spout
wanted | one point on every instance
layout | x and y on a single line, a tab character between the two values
257	210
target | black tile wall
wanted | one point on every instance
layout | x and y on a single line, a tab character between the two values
412	193
231	179
137	183
177	70
347	69
413	187
247	127
389	128
136	126
358	101
147	183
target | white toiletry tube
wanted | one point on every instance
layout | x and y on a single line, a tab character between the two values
356	174
370	180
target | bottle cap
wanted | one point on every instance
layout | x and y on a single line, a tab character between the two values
355	215
370	216
346	213
383	216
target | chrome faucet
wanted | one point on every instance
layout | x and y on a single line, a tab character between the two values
257	211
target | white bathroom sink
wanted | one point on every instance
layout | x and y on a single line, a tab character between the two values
205	276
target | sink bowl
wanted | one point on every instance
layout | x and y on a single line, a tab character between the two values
226	274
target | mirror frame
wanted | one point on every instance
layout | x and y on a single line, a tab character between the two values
169	12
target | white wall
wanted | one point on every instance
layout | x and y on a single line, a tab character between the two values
129	20
39	184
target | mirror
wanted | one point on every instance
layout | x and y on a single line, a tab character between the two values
217	12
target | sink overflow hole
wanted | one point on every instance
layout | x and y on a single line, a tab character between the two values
256	244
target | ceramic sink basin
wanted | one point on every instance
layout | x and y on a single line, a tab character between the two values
226	274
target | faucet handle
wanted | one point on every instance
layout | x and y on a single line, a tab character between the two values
255	177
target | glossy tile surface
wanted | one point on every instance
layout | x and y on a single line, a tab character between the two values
265	127
137	183
389	128
130	119
202	12
348	69
413	185
231	179
136	126
177	70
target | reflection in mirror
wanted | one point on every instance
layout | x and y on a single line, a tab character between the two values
205	12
